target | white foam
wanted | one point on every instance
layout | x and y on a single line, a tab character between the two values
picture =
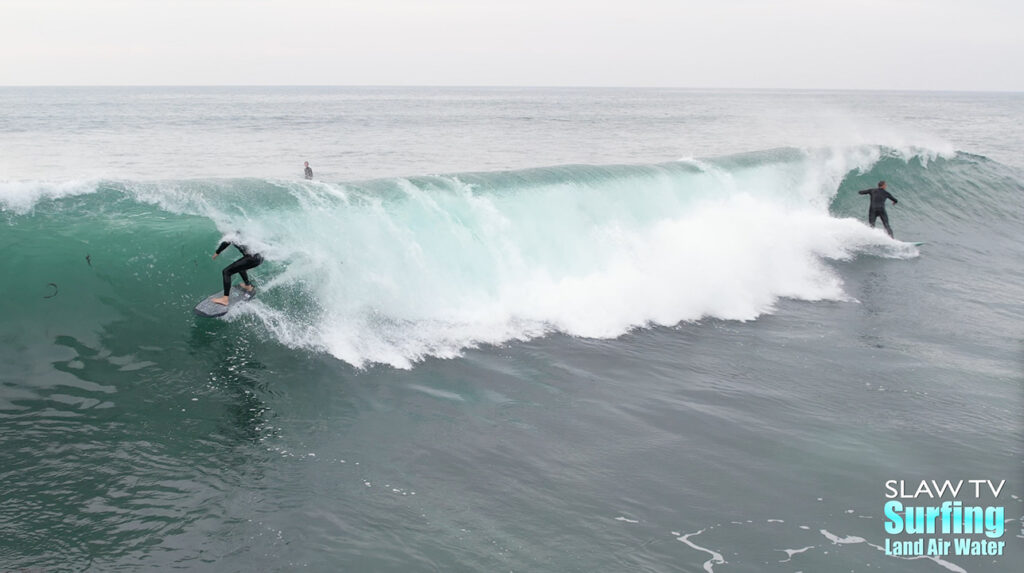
791	552
436	271
853	539
22	196
716	557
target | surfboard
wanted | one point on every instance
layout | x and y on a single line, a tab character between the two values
210	309
917	243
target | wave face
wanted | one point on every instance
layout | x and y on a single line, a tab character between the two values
396	270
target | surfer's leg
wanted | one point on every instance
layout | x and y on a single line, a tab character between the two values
871	217
885	222
246	284
246	263
240	266
226	275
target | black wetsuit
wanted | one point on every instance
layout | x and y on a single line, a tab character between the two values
309	172
877	209
248	261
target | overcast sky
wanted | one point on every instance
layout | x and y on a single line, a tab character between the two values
830	44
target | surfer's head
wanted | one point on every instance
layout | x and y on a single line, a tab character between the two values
307	164
881	184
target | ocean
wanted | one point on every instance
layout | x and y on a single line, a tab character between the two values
508	329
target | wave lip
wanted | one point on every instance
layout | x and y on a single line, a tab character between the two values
21	196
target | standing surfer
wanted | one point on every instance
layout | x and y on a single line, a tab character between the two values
249	260
309	171
877	209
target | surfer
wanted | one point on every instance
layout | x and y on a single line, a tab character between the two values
309	171
249	260
877	209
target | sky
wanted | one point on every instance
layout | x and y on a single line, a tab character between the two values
971	45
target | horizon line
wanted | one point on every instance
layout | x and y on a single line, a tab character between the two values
513	86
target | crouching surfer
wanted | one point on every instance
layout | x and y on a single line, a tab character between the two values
249	260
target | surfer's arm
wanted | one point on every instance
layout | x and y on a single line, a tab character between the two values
865	192
894	201
220	249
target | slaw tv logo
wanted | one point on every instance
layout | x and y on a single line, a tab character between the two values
949	517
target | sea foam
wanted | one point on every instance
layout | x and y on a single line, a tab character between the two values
393	272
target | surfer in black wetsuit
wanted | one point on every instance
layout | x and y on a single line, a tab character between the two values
309	171
877	209
249	260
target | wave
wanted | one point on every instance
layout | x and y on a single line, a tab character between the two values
396	270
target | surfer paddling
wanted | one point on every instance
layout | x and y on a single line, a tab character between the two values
877	209
249	260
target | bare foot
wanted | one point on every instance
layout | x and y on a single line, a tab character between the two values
248	288
220	300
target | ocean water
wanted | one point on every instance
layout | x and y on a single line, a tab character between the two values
504	329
